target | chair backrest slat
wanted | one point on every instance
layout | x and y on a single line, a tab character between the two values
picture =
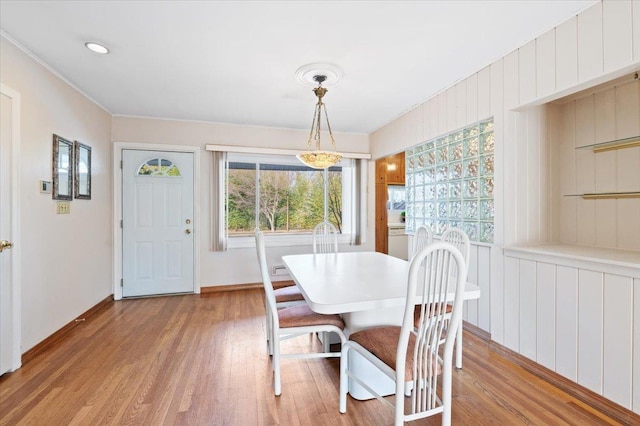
325	238
421	238
460	240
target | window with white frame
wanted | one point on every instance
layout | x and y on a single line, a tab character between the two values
286	199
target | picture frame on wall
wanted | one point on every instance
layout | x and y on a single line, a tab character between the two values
62	168
82	167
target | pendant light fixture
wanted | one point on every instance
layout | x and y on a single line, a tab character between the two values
319	159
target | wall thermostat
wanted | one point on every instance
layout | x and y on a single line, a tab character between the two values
45	186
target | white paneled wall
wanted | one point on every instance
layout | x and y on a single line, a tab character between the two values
531	175
602	116
576	320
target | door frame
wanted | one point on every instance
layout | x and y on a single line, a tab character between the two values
16	304
118	147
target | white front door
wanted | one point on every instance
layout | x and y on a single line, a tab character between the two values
7	318
157	222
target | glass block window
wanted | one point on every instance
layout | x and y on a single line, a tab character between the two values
159	167
450	182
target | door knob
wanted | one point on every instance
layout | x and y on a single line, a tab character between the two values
4	244
187	231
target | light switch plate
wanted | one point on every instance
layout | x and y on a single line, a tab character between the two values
63	207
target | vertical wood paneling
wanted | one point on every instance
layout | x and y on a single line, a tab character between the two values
451	108
590	62
426	121
511	81
472	99
487	82
435	117
511	304
567	165
627	125
585	223
492	77
618	339
442	113
546	63
527	67
567	322
521	190
471	308
605	223
420	123
585	135
628	212
461	104
546	315
590	330
509	180
484	282
636	29
605	125
567	149
535	140
568	217
497	295
567	54
617	33
555	164
636	345
528	298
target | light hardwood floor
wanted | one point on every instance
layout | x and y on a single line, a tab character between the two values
201	360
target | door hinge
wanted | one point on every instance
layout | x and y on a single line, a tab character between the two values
120	164
121	282
120	223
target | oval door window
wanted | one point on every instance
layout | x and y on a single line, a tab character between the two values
158	167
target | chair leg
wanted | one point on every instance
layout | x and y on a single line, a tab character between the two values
344	379
459	348
277	386
326	343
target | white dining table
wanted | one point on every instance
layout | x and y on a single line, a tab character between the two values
367	288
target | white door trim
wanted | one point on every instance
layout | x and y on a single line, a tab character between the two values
117	208
16	300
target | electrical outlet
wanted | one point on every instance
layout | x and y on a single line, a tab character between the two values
64	207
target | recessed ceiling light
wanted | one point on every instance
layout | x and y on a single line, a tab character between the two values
96	47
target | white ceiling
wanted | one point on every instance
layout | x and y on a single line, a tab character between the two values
235	61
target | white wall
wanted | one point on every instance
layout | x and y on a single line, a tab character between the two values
66	259
235	266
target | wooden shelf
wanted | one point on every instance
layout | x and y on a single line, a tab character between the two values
613	145
606	195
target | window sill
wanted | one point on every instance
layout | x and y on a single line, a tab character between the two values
280	240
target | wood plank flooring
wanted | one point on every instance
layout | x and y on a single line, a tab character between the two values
201	360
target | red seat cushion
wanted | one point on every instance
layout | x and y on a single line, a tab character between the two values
383	343
302	316
288	294
416	313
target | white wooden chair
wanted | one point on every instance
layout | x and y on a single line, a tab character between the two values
285	297
418	355
460	240
421	238
325	238
292	321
